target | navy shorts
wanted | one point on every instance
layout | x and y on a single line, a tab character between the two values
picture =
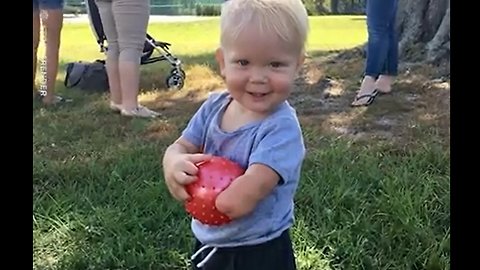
276	254
47	4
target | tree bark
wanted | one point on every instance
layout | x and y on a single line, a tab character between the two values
424	30
334	6
440	44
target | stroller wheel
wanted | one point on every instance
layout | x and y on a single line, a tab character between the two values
178	71
175	81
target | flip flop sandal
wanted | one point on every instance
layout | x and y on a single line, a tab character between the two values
56	99
370	98
59	99
383	92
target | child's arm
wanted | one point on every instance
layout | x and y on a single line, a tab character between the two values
179	158
180	146
276	160
241	197
179	166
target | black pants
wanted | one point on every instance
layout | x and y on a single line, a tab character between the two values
276	254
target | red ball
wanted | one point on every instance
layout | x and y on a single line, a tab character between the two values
214	176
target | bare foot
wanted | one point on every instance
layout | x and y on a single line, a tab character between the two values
384	83
366	93
49	99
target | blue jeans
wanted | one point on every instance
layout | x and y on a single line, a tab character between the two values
47	4
382	47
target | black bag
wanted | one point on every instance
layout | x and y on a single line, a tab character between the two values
90	76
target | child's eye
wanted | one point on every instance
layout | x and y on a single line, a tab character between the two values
242	62
276	64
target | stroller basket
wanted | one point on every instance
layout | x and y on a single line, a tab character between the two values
177	76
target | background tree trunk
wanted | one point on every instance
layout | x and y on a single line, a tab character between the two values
334	6
424	30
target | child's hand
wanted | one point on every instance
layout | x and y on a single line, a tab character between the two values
182	171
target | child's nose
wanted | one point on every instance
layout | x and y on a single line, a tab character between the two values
258	75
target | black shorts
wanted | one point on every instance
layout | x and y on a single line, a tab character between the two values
276	254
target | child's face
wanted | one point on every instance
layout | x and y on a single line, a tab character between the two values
259	69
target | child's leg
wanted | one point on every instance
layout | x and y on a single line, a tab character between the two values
276	254
220	260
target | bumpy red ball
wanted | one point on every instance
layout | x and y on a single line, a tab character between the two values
214	176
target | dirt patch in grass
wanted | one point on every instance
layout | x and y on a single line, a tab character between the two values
418	104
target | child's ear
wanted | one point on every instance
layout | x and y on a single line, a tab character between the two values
220	60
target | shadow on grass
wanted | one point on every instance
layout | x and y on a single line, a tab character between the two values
334	77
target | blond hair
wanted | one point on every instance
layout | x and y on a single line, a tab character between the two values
287	19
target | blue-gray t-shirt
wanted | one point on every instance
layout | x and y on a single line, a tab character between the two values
275	141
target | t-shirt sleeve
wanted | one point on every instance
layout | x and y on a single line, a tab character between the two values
281	148
195	130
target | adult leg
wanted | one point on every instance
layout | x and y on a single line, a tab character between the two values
108	23
53	24
131	18
378	22
36	41
390	68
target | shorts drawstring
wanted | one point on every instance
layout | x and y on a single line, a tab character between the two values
205	260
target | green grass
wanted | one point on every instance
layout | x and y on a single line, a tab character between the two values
100	203
197	38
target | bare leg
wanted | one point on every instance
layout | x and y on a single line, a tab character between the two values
53	26
114	82
367	87
129	84
384	83
36	41
131	20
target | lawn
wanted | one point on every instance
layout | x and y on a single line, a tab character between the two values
99	201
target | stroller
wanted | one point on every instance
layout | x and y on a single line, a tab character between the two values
177	76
